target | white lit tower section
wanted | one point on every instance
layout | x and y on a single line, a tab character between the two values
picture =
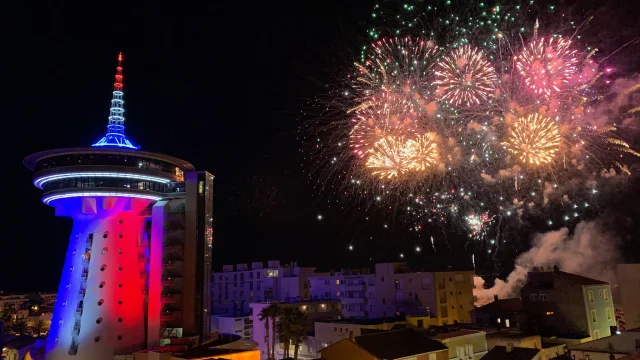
109	295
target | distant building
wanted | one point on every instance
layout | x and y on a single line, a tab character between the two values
501	313
629	287
511	352
464	344
10	303
626	343
235	287
398	344
329	332
556	303
228	324
394	288
514	338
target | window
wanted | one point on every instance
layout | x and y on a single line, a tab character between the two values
605	294
591	299
384	301
542	297
533	297
460	352
338	294
608	313
381	278
594	316
272	273
257	274
432	356
596	335
337	282
506	323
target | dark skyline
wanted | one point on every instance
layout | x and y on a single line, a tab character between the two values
222	86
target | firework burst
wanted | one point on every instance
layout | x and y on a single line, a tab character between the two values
386	158
421	153
547	64
465	77
534	140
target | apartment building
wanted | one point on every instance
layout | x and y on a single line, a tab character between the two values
556	303
236	286
394	288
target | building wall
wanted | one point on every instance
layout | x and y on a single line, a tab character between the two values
328	333
101	292
241	326
531	342
458	296
356	292
599	302
629	283
474	345
582	355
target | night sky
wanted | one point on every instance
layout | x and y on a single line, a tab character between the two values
222	86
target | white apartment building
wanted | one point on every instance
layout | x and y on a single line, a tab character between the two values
238	325
236	286
393	288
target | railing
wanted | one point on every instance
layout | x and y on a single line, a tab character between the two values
82	293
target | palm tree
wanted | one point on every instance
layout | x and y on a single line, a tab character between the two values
297	332
274	311
284	326
264	316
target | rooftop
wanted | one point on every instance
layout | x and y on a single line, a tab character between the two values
624	343
508	334
516	353
501	306
398	344
545	279
455	334
376	321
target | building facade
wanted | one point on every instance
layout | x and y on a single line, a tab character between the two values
394	288
556	303
464	344
629	287
139	254
237	286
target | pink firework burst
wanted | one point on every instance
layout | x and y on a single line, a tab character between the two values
547	64
465	77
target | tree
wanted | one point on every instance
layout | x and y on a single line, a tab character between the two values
264	316
19	327
274	311
297	332
39	326
284	329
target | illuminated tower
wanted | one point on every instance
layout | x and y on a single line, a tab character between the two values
137	270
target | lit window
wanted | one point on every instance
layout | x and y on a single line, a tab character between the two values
499	320
506	323
337	282
272	273
200	187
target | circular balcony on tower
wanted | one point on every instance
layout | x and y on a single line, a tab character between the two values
106	171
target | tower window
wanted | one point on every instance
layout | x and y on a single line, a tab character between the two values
98	320
97	338
104	266
120	285
104	251
119	320
100	302
119	337
120	236
105	235
101	285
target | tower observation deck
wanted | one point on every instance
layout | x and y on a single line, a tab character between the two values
136	272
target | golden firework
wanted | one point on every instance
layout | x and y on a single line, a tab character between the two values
386	157
534	139
420	153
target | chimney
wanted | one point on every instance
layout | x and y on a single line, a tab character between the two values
509	347
495	297
556	268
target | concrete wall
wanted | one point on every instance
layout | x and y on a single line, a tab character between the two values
598	301
476	343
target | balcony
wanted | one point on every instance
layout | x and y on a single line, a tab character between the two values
353	300
354	287
172	282
356	313
173	265
82	293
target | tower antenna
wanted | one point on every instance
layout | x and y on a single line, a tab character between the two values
115	130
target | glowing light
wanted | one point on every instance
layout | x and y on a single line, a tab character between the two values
38	182
534	139
386	158
50	198
547	64
420	153
319	217
115	130
465	77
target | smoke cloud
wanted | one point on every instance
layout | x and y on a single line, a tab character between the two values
590	251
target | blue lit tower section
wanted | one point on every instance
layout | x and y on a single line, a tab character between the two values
115	129
133	263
